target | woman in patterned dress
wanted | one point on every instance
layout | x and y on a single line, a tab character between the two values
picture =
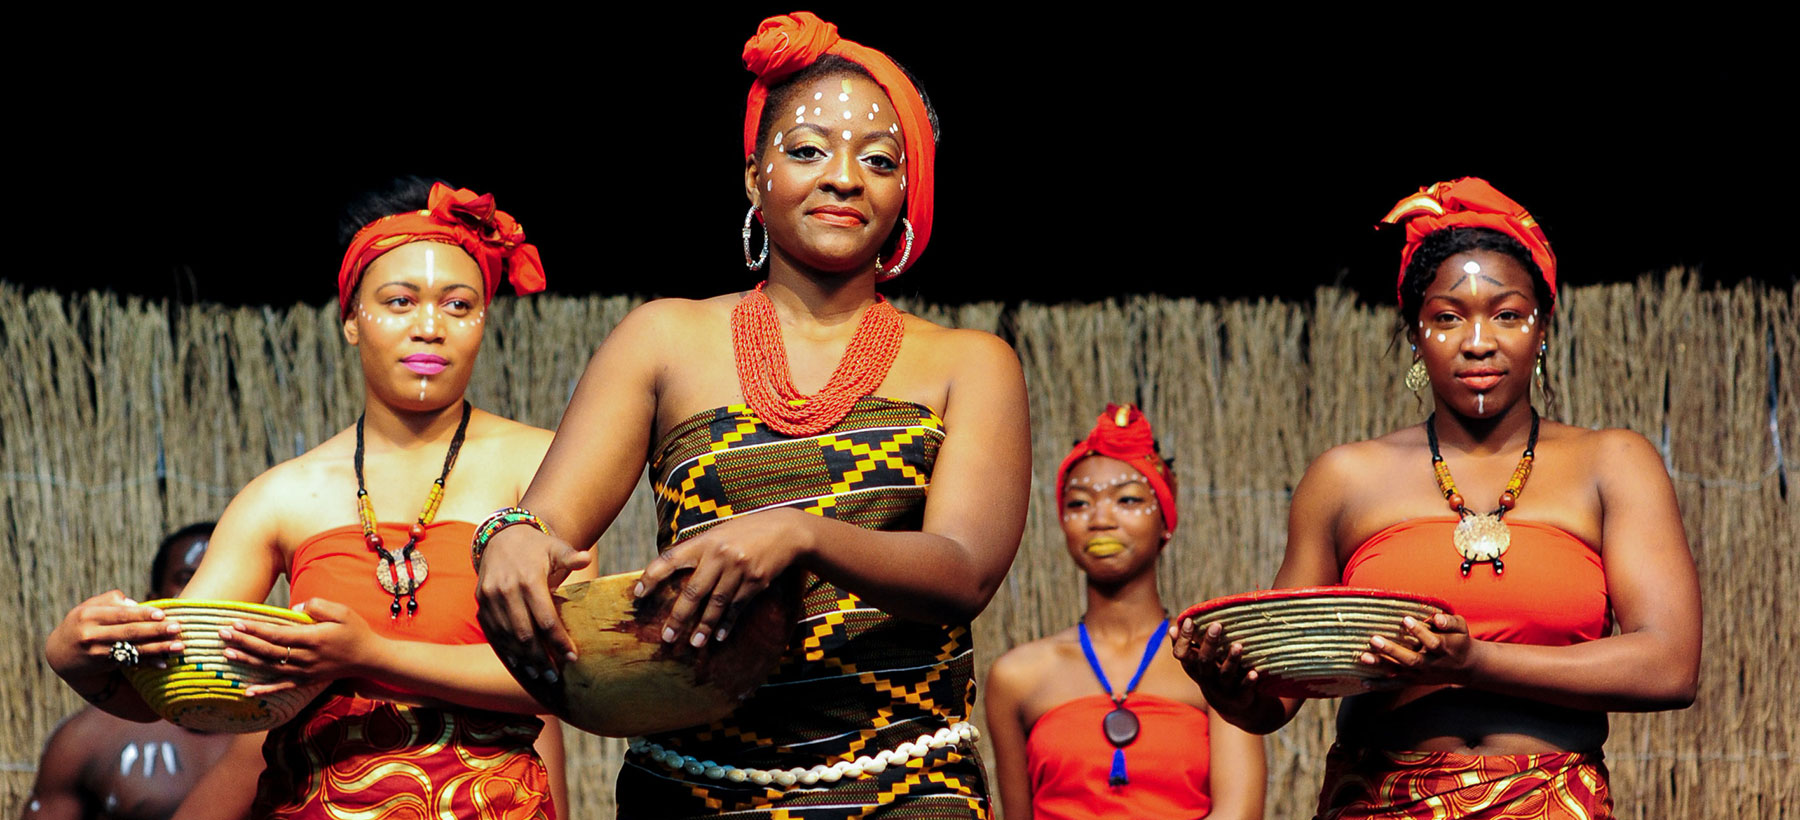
892	481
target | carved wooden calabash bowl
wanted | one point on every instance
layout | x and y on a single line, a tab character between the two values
628	682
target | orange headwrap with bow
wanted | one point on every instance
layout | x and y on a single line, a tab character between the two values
453	216
787	43
1123	433
1472	203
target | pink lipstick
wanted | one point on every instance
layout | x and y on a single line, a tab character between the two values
425	364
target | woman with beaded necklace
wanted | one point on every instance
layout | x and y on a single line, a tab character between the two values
1553	535
1098	721
795	427
421	714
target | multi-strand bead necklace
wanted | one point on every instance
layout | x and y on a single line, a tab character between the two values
768	386
387	571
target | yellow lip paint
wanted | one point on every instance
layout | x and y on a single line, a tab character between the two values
1103	547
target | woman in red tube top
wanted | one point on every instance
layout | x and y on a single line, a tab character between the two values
1543	537
1048	709
372	529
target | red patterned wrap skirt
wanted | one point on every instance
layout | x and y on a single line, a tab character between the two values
1368	784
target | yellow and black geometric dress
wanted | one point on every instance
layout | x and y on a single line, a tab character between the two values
856	682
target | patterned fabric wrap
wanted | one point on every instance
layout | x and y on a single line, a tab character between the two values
353	758
854	680
1377	785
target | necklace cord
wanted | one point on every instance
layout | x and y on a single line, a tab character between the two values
366	513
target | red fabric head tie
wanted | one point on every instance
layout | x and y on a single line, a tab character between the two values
787	43
1123	433
1469	202
453	216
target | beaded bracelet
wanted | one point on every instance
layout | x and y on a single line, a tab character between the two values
960	733
493	524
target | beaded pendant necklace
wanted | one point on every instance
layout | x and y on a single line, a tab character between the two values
1120	726
387	571
768	385
1481	538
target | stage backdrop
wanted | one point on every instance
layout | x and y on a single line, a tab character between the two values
121	421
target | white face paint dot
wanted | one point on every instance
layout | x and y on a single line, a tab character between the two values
798	120
1440	337
871	116
876	107
894	129
903	183
843	98
800	110
770	169
818	95
846	115
816	110
846	134
1471	266
771	186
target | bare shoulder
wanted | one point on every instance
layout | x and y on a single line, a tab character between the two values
1027	663
302	476
1612	446
509	433
1345	462
659	316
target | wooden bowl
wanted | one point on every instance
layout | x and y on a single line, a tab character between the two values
1305	642
199	689
628	682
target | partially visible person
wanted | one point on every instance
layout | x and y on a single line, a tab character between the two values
1559	549
1096	721
97	765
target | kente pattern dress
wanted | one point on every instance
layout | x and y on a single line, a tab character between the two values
854	681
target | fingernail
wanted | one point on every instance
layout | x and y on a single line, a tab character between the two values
530	672
698	640
225	632
178	646
1408	622
571	656
550	675
130	602
668	634
722	633
1377	642
160	664
638	591
231	655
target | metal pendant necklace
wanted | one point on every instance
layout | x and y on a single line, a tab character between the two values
1121	724
1481	538
387	570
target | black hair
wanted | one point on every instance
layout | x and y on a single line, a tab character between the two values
202	529
397	196
828	66
1441	245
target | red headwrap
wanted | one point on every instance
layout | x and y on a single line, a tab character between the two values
787	43
1123	433
1470	202
454	217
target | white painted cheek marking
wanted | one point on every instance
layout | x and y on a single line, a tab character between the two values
799	120
894	129
1440	337
875	107
800	110
818	95
770	169
35	805
770	186
194	551
843	98
168	756
847	115
817	111
127	758
903	183
871	116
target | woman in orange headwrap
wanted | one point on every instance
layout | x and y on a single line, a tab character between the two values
420	717
796	426
1541	536
1098	721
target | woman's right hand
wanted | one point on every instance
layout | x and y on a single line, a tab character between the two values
519	568
1217	666
80	648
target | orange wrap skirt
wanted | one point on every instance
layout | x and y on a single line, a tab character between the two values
1369	784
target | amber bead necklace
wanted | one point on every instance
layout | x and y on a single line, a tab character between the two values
1481	538
387	572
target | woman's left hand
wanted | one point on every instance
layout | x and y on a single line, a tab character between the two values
1441	652
732	563
337	645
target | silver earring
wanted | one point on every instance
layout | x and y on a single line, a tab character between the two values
755	264
905	253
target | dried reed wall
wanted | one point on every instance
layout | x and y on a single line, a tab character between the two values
120	421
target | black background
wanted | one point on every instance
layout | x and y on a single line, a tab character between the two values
1083	157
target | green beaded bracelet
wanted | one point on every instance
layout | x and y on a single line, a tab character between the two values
493	524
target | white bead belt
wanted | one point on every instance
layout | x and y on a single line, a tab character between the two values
952	735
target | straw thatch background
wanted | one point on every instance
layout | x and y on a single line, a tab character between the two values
120	421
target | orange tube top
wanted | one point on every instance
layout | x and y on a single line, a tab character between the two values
1553	592
336	565
1068	759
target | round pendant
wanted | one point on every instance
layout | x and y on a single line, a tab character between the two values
1481	538
1120	726
390	567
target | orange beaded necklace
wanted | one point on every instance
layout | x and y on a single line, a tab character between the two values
768	386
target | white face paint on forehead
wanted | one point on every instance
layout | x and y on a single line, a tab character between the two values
430	268
1471	267
1106	484
194	551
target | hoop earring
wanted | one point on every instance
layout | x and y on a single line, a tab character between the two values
757	263
1416	377
905	253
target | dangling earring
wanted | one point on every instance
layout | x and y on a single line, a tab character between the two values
1416	377
905	253
1538	369
757	263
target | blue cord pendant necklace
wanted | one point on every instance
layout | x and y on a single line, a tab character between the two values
1121	724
